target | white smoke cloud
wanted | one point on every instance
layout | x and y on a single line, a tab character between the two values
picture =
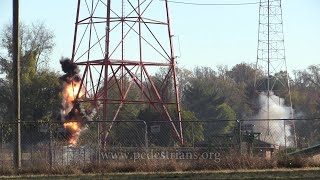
273	131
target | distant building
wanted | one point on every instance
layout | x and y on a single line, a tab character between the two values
243	140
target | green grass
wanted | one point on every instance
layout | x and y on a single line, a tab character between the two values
306	173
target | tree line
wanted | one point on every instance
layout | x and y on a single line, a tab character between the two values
206	94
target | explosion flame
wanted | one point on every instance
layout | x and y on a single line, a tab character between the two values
73	116
70	114
71	91
75	129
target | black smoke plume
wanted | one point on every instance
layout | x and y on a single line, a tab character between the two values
71	71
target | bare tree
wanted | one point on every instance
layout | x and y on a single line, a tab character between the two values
33	38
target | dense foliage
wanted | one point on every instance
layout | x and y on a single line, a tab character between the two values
207	95
40	86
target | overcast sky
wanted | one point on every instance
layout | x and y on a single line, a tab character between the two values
209	35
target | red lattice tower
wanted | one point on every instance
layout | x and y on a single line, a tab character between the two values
118	46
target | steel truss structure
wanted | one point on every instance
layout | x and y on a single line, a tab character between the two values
271	59
119	47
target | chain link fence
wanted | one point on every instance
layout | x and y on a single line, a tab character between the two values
48	144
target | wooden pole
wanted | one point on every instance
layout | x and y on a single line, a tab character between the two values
16	84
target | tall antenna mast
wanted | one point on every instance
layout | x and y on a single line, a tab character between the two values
271	61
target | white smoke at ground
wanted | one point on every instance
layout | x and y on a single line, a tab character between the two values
274	130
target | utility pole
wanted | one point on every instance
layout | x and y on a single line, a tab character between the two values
16	85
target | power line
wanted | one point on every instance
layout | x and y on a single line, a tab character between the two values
212	4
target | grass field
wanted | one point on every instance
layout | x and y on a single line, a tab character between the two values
306	173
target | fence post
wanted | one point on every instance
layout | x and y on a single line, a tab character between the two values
62	156
192	134
146	135
285	137
240	136
50	144
2	163
84	156
99	142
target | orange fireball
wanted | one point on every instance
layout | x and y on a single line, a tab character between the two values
70	93
74	128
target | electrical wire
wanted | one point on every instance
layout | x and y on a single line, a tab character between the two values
212	4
